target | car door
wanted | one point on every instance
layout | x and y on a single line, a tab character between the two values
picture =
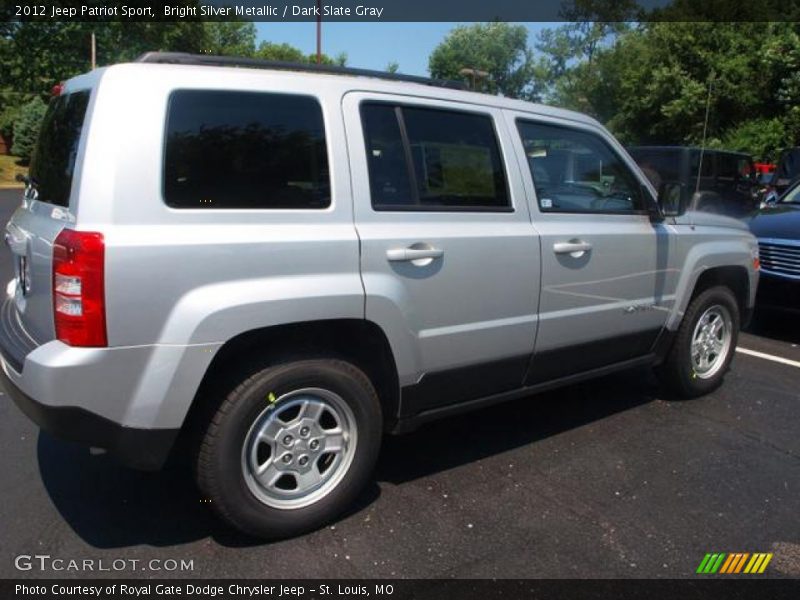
449	258
607	286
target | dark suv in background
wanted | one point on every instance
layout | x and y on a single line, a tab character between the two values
727	180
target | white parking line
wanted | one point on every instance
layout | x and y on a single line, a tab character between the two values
777	359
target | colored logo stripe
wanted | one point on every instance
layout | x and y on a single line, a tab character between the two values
734	563
732	558
711	563
720	562
758	563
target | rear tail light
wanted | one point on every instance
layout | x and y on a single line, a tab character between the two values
79	288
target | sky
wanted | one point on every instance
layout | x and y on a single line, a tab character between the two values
372	45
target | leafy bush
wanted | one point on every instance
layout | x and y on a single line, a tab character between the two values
26	129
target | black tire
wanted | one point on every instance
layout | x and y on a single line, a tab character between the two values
220	465
678	372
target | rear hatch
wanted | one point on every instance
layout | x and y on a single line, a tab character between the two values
45	211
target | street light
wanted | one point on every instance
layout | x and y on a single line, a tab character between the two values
475	74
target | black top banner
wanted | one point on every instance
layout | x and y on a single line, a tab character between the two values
405	10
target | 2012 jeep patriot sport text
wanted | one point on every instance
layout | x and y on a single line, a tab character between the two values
282	265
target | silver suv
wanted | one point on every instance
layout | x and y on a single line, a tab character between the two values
275	266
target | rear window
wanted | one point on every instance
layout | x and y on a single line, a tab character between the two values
53	160
659	165
247	150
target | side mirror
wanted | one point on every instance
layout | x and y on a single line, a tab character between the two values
671	199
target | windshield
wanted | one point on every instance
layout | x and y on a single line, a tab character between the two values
792	196
53	161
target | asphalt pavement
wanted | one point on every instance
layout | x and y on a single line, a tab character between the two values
601	479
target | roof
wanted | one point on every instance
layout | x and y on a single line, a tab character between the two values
681	148
355	80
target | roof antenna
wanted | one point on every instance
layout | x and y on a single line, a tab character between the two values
705	132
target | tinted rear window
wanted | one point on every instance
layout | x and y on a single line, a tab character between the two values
432	159
245	150
666	164
53	161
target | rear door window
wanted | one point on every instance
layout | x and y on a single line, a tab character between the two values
53	160
433	159
248	150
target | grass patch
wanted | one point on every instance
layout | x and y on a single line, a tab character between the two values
9	169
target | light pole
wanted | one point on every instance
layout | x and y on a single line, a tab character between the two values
476	74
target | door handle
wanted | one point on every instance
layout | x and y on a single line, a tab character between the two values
575	248
424	255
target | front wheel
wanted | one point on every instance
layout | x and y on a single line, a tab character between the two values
291	447
703	348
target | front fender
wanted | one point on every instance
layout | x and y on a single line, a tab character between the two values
701	256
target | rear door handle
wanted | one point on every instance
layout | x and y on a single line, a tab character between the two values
418	256
575	248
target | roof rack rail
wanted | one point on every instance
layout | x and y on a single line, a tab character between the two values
184	58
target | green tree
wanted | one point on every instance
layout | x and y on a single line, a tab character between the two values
651	84
764	138
284	52
36	55
392	67
499	49
26	128
231	38
288	53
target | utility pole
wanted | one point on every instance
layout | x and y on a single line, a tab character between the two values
319	32
94	52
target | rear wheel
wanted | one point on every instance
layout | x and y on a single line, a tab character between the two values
705	343
291	447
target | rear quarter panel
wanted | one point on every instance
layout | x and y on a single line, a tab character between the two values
198	276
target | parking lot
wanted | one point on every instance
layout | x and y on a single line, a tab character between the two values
602	479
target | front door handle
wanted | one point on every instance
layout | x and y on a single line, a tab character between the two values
418	254
575	248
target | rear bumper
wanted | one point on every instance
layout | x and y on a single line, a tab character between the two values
139	448
129	400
